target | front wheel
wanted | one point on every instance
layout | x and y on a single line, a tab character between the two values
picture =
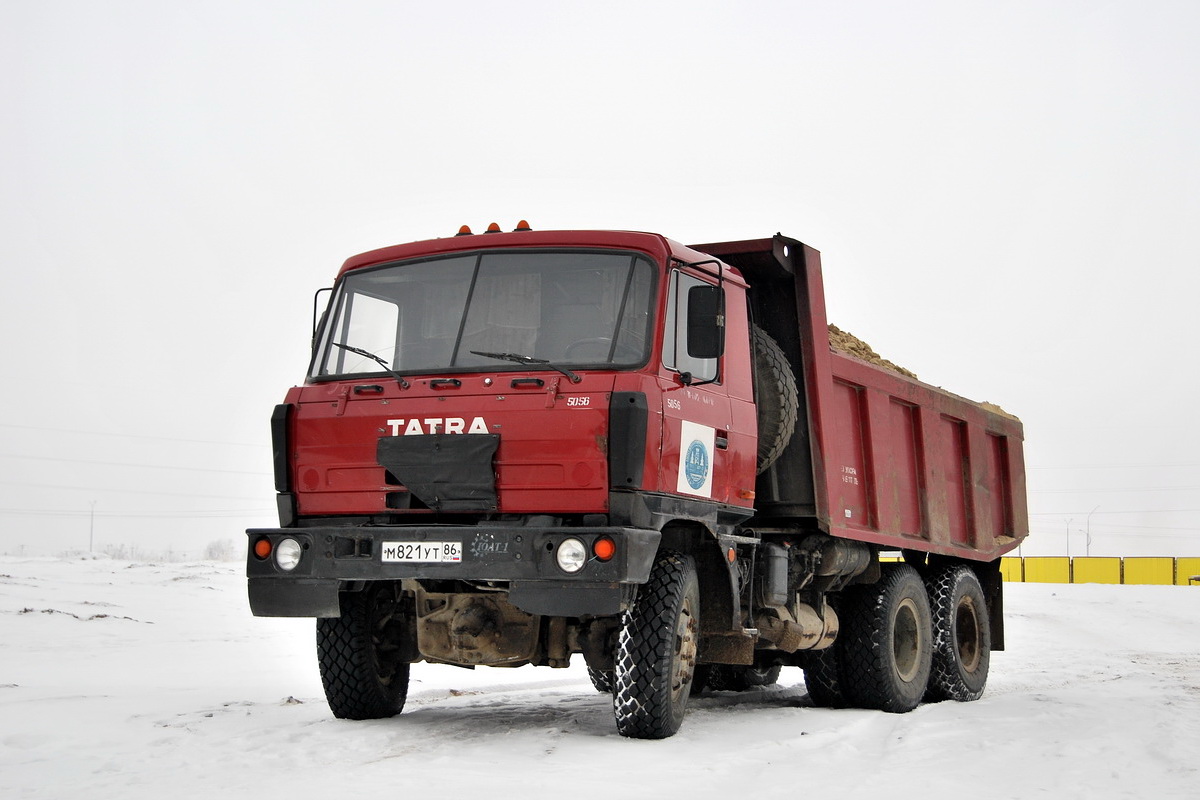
359	654
656	651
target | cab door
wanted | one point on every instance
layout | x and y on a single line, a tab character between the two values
696	460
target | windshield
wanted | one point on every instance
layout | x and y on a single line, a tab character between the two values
567	309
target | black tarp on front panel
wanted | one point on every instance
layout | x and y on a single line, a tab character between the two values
445	471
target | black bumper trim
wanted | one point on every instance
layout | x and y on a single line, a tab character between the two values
334	556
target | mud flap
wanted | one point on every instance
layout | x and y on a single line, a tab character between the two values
300	597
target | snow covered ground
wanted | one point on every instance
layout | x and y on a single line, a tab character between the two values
138	680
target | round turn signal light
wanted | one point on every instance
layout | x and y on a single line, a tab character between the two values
604	548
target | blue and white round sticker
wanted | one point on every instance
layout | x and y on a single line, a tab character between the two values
696	464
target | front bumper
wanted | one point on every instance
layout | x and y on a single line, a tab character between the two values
333	558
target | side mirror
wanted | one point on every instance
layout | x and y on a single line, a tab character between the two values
705	322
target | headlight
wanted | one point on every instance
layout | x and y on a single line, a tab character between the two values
571	555
287	554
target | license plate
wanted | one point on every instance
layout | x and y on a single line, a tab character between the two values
422	552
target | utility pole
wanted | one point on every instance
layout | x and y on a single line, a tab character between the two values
1089	529
1069	537
92	529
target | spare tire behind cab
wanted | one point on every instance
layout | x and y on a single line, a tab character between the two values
775	396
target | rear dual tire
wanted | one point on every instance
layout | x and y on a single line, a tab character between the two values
905	640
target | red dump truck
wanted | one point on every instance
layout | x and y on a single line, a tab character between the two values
515	447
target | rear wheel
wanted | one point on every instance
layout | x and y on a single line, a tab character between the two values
602	679
656	651
962	654
888	649
359	654
821	678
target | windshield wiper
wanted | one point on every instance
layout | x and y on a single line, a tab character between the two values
520	359
381	362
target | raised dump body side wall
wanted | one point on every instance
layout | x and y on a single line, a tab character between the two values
914	467
877	456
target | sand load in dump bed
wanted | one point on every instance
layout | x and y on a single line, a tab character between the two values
850	344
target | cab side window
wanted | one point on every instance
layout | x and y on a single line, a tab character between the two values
675	355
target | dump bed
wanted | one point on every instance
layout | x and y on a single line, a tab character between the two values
877	456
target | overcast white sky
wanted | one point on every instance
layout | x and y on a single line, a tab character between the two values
1005	196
